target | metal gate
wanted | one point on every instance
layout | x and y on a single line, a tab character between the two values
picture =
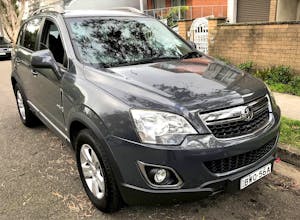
199	34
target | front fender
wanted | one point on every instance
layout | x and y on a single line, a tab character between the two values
92	121
86	116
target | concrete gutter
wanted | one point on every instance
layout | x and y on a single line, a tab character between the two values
289	154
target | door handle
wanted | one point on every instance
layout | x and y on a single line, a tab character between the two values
34	73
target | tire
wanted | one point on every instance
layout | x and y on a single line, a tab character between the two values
106	196
27	116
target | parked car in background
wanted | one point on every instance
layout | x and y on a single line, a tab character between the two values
5	48
151	119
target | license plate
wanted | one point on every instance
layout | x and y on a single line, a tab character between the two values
256	175
2	53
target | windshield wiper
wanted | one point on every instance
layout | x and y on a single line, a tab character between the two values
192	54
145	61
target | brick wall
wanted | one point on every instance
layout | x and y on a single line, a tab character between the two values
265	44
213	8
183	28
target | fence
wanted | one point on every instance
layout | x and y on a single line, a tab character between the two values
180	13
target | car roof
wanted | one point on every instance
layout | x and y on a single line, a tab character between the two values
101	13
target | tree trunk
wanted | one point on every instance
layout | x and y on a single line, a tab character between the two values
11	15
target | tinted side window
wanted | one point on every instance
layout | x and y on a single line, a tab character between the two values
51	39
31	32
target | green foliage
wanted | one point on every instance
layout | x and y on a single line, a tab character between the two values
280	79
247	66
281	74
223	59
285	88
172	16
290	132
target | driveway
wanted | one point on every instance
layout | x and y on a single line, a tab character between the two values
39	180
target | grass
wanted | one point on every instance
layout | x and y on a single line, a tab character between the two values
279	78
290	132
284	88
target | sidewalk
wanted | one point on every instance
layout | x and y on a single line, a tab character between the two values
289	104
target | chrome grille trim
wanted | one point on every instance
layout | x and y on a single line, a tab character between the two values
240	114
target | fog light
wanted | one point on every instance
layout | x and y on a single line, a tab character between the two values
160	175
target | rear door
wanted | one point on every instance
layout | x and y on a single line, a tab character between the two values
26	45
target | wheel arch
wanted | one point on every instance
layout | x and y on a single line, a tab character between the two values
85	118
13	82
88	119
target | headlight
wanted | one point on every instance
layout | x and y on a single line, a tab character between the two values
164	128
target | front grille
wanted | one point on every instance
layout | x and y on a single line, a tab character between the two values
231	123
235	162
240	128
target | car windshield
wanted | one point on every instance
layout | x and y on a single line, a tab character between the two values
119	41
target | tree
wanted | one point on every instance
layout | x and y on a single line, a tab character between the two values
11	14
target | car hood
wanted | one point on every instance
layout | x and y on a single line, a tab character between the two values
202	84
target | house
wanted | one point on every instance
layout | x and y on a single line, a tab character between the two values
101	4
263	10
87	4
189	9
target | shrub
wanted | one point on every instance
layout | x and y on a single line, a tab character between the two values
247	66
276	74
280	79
172	16
223	59
281	74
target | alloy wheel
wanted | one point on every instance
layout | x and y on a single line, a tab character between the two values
21	105
92	171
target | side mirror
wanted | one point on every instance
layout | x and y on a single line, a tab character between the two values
192	44
44	59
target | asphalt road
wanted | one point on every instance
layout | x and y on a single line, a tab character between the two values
39	180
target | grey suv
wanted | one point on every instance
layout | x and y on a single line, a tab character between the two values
151	119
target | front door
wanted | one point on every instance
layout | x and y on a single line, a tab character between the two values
47	89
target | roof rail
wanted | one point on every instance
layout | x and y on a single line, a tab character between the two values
129	9
53	8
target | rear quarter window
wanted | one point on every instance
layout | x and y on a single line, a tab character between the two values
31	33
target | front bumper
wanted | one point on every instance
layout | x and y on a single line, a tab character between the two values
188	163
5	54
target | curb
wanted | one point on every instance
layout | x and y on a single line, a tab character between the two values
289	154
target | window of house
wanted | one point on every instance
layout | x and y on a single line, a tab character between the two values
51	39
31	33
178	2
